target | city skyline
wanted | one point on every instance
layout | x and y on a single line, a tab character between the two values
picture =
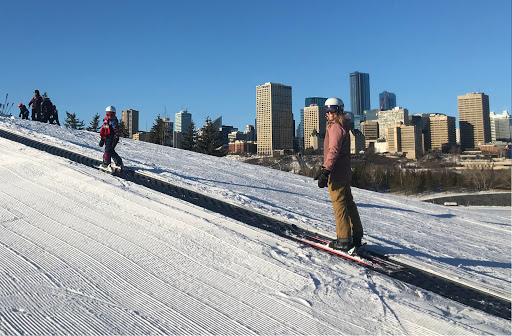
172	57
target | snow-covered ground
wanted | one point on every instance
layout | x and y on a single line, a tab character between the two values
84	252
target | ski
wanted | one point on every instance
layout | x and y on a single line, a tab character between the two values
112	170
325	247
361	255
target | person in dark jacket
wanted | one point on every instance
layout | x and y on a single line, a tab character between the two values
47	108
23	111
54	116
336	174
36	103
109	134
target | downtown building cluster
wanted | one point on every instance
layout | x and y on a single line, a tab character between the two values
386	129
392	129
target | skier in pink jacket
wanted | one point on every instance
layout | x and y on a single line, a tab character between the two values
336	174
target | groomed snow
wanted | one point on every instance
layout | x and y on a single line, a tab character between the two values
84	252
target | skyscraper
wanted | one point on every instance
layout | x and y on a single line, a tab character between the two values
474	122
442	131
274	118
387	100
182	120
359	93
500	126
130	119
314	126
390	118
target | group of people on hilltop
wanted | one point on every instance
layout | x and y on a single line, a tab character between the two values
43	109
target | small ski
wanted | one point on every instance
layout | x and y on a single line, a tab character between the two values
112	170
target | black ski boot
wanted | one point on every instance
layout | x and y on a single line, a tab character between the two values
338	244
356	241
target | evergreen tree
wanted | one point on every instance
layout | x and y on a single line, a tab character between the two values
157	132
123	131
73	122
189	138
95	124
208	141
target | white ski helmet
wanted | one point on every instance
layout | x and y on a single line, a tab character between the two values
334	105
110	109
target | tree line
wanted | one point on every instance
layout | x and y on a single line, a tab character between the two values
206	140
417	181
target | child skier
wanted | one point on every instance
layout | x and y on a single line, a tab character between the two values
23	111
110	137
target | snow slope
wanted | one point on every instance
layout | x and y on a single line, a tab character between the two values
86	252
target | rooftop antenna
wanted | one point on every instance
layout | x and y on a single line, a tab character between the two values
165	115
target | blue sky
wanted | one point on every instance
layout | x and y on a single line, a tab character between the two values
209	56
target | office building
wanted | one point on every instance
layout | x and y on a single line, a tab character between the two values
442	132
357	141
370	129
500	127
392	117
474	121
182	121
359	93
300	130
130	119
320	101
274	118
387	100
141	136
371	114
314	127
168	133
404	139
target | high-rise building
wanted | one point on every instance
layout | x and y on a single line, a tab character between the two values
182	120
500	126
392	117
320	101
442	132
131	121
314	126
474	121
274	118
370	129
387	100
359	93
402	138
168	125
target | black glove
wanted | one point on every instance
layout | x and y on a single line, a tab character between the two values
102	142
114	142
323	178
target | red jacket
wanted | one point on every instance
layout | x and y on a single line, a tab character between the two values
337	152
37	101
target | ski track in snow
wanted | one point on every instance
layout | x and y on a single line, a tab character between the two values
83	252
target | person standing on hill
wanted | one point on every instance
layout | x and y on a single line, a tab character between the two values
336	174
54	116
36	102
47	108
109	134
23	111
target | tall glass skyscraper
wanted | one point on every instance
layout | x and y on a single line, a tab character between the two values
359	93
387	100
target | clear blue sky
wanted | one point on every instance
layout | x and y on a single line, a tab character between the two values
209	56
